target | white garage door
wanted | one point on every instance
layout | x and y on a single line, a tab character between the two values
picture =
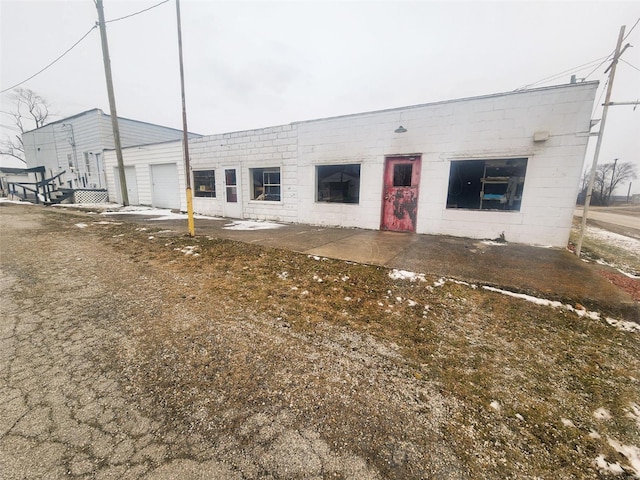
165	190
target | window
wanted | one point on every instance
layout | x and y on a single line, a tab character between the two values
87	162
338	183
204	183
265	184
232	185
70	160
487	184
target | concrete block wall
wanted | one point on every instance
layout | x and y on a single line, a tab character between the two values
492	127
260	148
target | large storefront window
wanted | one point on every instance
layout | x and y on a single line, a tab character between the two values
487	184
338	183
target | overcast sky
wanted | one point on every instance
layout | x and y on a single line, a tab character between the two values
256	64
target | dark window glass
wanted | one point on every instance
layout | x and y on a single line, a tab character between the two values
204	183
338	183
487	184
402	174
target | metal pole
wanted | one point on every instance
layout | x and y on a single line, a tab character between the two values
185	134
112	103
594	166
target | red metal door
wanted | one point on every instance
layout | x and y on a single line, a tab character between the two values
400	201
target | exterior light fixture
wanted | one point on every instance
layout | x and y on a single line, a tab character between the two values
400	129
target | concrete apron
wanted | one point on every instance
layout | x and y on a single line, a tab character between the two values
552	273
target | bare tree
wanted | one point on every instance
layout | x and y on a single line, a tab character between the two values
29	111
609	176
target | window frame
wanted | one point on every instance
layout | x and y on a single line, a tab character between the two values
264	174
197	183
325	194
487	185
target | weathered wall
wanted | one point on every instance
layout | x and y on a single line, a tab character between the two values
492	127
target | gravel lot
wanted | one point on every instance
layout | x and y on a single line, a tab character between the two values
131	353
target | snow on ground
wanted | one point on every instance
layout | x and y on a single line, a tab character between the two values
251	225
6	200
159	213
406	275
615	239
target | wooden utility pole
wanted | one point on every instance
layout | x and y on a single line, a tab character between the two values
592	176
112	103
185	133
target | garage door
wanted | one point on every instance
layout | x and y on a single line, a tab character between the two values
165	190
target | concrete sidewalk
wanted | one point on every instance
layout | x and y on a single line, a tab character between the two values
548	272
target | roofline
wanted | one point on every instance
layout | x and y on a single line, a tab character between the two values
100	112
175	140
443	102
397	109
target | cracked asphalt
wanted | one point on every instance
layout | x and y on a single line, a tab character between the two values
63	413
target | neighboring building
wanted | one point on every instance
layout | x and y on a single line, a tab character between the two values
506	164
76	145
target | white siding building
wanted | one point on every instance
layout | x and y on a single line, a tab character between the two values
498	165
76	144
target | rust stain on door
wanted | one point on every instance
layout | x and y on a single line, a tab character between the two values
400	200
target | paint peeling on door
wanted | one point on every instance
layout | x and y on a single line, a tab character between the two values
400	202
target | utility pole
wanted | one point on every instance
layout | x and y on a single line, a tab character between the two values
613	176
594	166
112	103
185	133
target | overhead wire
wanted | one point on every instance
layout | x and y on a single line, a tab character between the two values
578	68
52	63
77	43
629	32
632	66
136	13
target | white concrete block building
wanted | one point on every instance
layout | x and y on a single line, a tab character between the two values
506	164
75	145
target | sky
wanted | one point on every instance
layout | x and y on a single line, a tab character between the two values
257	64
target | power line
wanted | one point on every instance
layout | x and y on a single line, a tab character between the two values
632	66
634	26
600	64
573	69
76	44
52	63
137	13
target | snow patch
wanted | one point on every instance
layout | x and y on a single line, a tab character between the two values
631	452
81	225
605	466
494	243
252	225
189	250
581	312
396	274
283	275
439	283
602	414
615	239
623	325
566	422
495	405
